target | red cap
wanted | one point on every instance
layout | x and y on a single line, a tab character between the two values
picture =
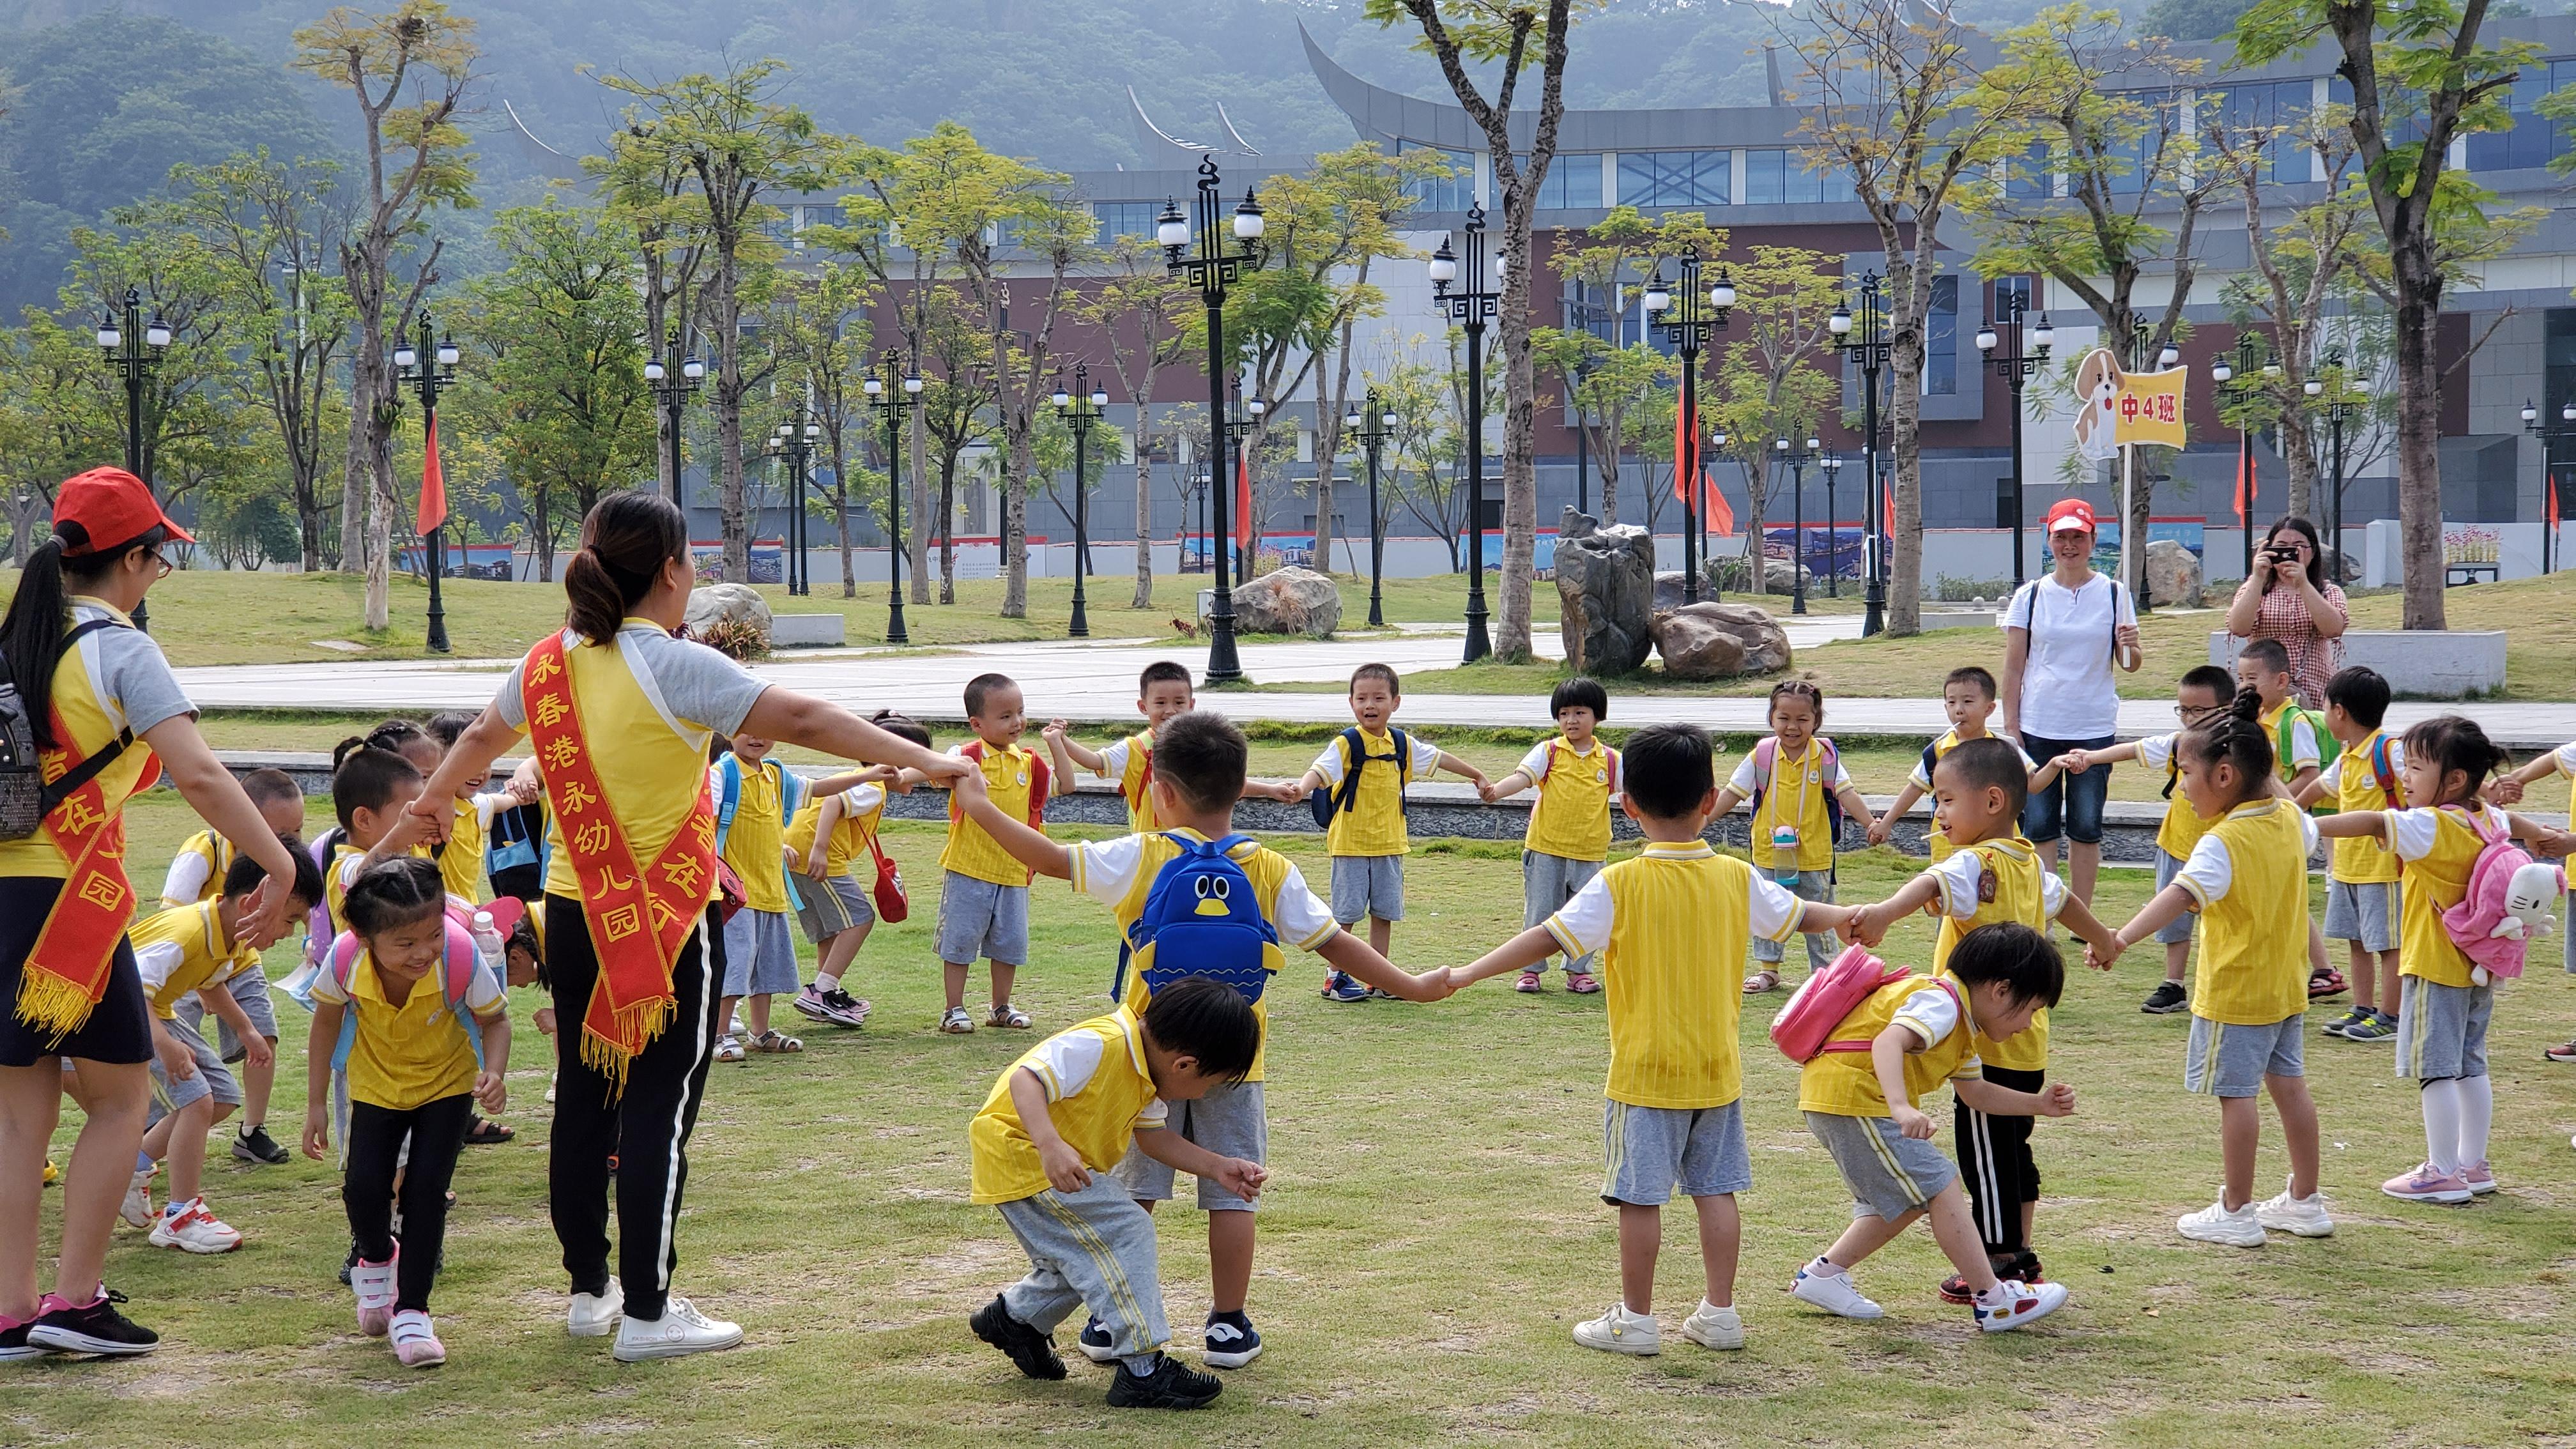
2071	513
113	507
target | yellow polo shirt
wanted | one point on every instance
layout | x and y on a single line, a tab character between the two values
1099	1091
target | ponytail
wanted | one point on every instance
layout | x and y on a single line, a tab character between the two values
625	542
31	635
2235	735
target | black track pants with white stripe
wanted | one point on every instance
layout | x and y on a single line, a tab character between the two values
1996	1165
647	1127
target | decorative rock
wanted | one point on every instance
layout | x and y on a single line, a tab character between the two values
727	603
1605	583
1716	640
1289	601
2173	574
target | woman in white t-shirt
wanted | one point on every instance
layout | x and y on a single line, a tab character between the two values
2066	630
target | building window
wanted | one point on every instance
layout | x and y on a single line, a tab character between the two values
1573	183
1125	218
2535	140
1774	176
1941	339
2011	292
2282	106
2032	175
1675	178
1453	192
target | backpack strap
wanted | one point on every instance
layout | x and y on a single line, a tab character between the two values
457	966
791	788
342	963
1931	759
2385	770
1828	765
91	768
1766	753
1039	778
1403	768
728	798
1346	797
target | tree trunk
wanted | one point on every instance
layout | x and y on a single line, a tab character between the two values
1905	432
1015	485
2419	445
841	514
1144	513
365	388
1757	559
381	508
1606	459
1520	440
948	529
735	528
2299	450
916	541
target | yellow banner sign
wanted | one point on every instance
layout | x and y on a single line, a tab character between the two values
2147	411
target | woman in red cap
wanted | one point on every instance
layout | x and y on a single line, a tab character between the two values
2065	631
104	709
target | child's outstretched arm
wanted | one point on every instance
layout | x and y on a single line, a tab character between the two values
1508	786
827	818
1868	925
2310	793
2076	762
1457	766
2088	928
1855	807
2046	774
1520	953
1349	953
1242	1178
1029	847
851	779
1063	746
2167	907
1727	800
2055	1100
2366	824
1885	825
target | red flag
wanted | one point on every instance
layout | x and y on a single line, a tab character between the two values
2244	486
433	485
2553	501
1720	517
1244	532
1889	495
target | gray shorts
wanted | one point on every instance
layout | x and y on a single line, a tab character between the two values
760	954
1368	885
1228	1121
1647	1152
2229	1060
250	988
213	1078
1822	948
2367	913
1095	1249
1547	883
2176	932
2442	1030
826	908
980	918
1889	1173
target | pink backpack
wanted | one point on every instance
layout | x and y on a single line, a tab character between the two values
2507	903
1804	1029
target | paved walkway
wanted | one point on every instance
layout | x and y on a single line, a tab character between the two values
1095	680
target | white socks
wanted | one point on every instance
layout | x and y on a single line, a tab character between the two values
2442	1115
826	984
2476	1096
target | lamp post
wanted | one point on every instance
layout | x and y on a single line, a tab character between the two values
1869	350
1244	420
796	444
2000	340
1471	301
2548	471
1370	424
134	350
2349	393
1081	408
1686	322
2240	380
1199	253
1797	459
1582	316
1832	463
1202	486
673	378
894	390
1717	440
430	367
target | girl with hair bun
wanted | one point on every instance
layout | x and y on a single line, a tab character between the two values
619	712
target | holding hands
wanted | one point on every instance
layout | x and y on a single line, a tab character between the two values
2074	762
2100	958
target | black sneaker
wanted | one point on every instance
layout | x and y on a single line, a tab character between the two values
1172	1385
1232	1341
348	1262
2165	1000
98	1329
1095	1342
253	1144
14	1347
1033	1352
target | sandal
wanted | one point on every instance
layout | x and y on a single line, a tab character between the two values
955	1022
2328	983
1761	981
728	1049
1528	984
2560	1054
487	1133
1007	1016
1582	983
776	1045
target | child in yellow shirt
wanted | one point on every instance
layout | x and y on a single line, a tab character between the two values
1367	768
2362	906
414	1068
1569	828
1796	781
1979	791
2298	753
1670	926
754	796
197	871
1968	698
984	895
1042	1150
1865	1107
2247	879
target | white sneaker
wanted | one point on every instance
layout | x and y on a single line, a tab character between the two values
194	1230
1710	1326
681	1330
2015	1304
2242	1228
2301	1216
550	1087
1835	1295
1620	1331
137	1207
595	1315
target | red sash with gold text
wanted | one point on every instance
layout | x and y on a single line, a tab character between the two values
639	919
66	972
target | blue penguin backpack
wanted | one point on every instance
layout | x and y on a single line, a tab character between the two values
1201	918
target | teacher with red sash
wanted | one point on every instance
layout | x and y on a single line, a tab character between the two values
619	713
108	723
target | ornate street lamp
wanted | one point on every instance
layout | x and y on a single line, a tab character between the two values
894	390
2549	438
134	350
1200	254
2350	393
1797	459
2240	381
796	445
673	378
1832	463
1081	408
1370	424
430	367
1470	299
1686	321
2000	340
1863	339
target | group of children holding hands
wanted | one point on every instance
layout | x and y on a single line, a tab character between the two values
1082	1137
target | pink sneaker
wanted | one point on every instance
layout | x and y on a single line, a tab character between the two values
2479	1177
414	1342
374	1285
2426	1185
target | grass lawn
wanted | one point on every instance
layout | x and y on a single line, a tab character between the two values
1431	1235
2540	659
209	618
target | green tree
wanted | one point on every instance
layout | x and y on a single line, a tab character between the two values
650	186
1140	311
822	341
1613	256
559	327
1770	380
190	432
1424	450
1605	383
407	68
